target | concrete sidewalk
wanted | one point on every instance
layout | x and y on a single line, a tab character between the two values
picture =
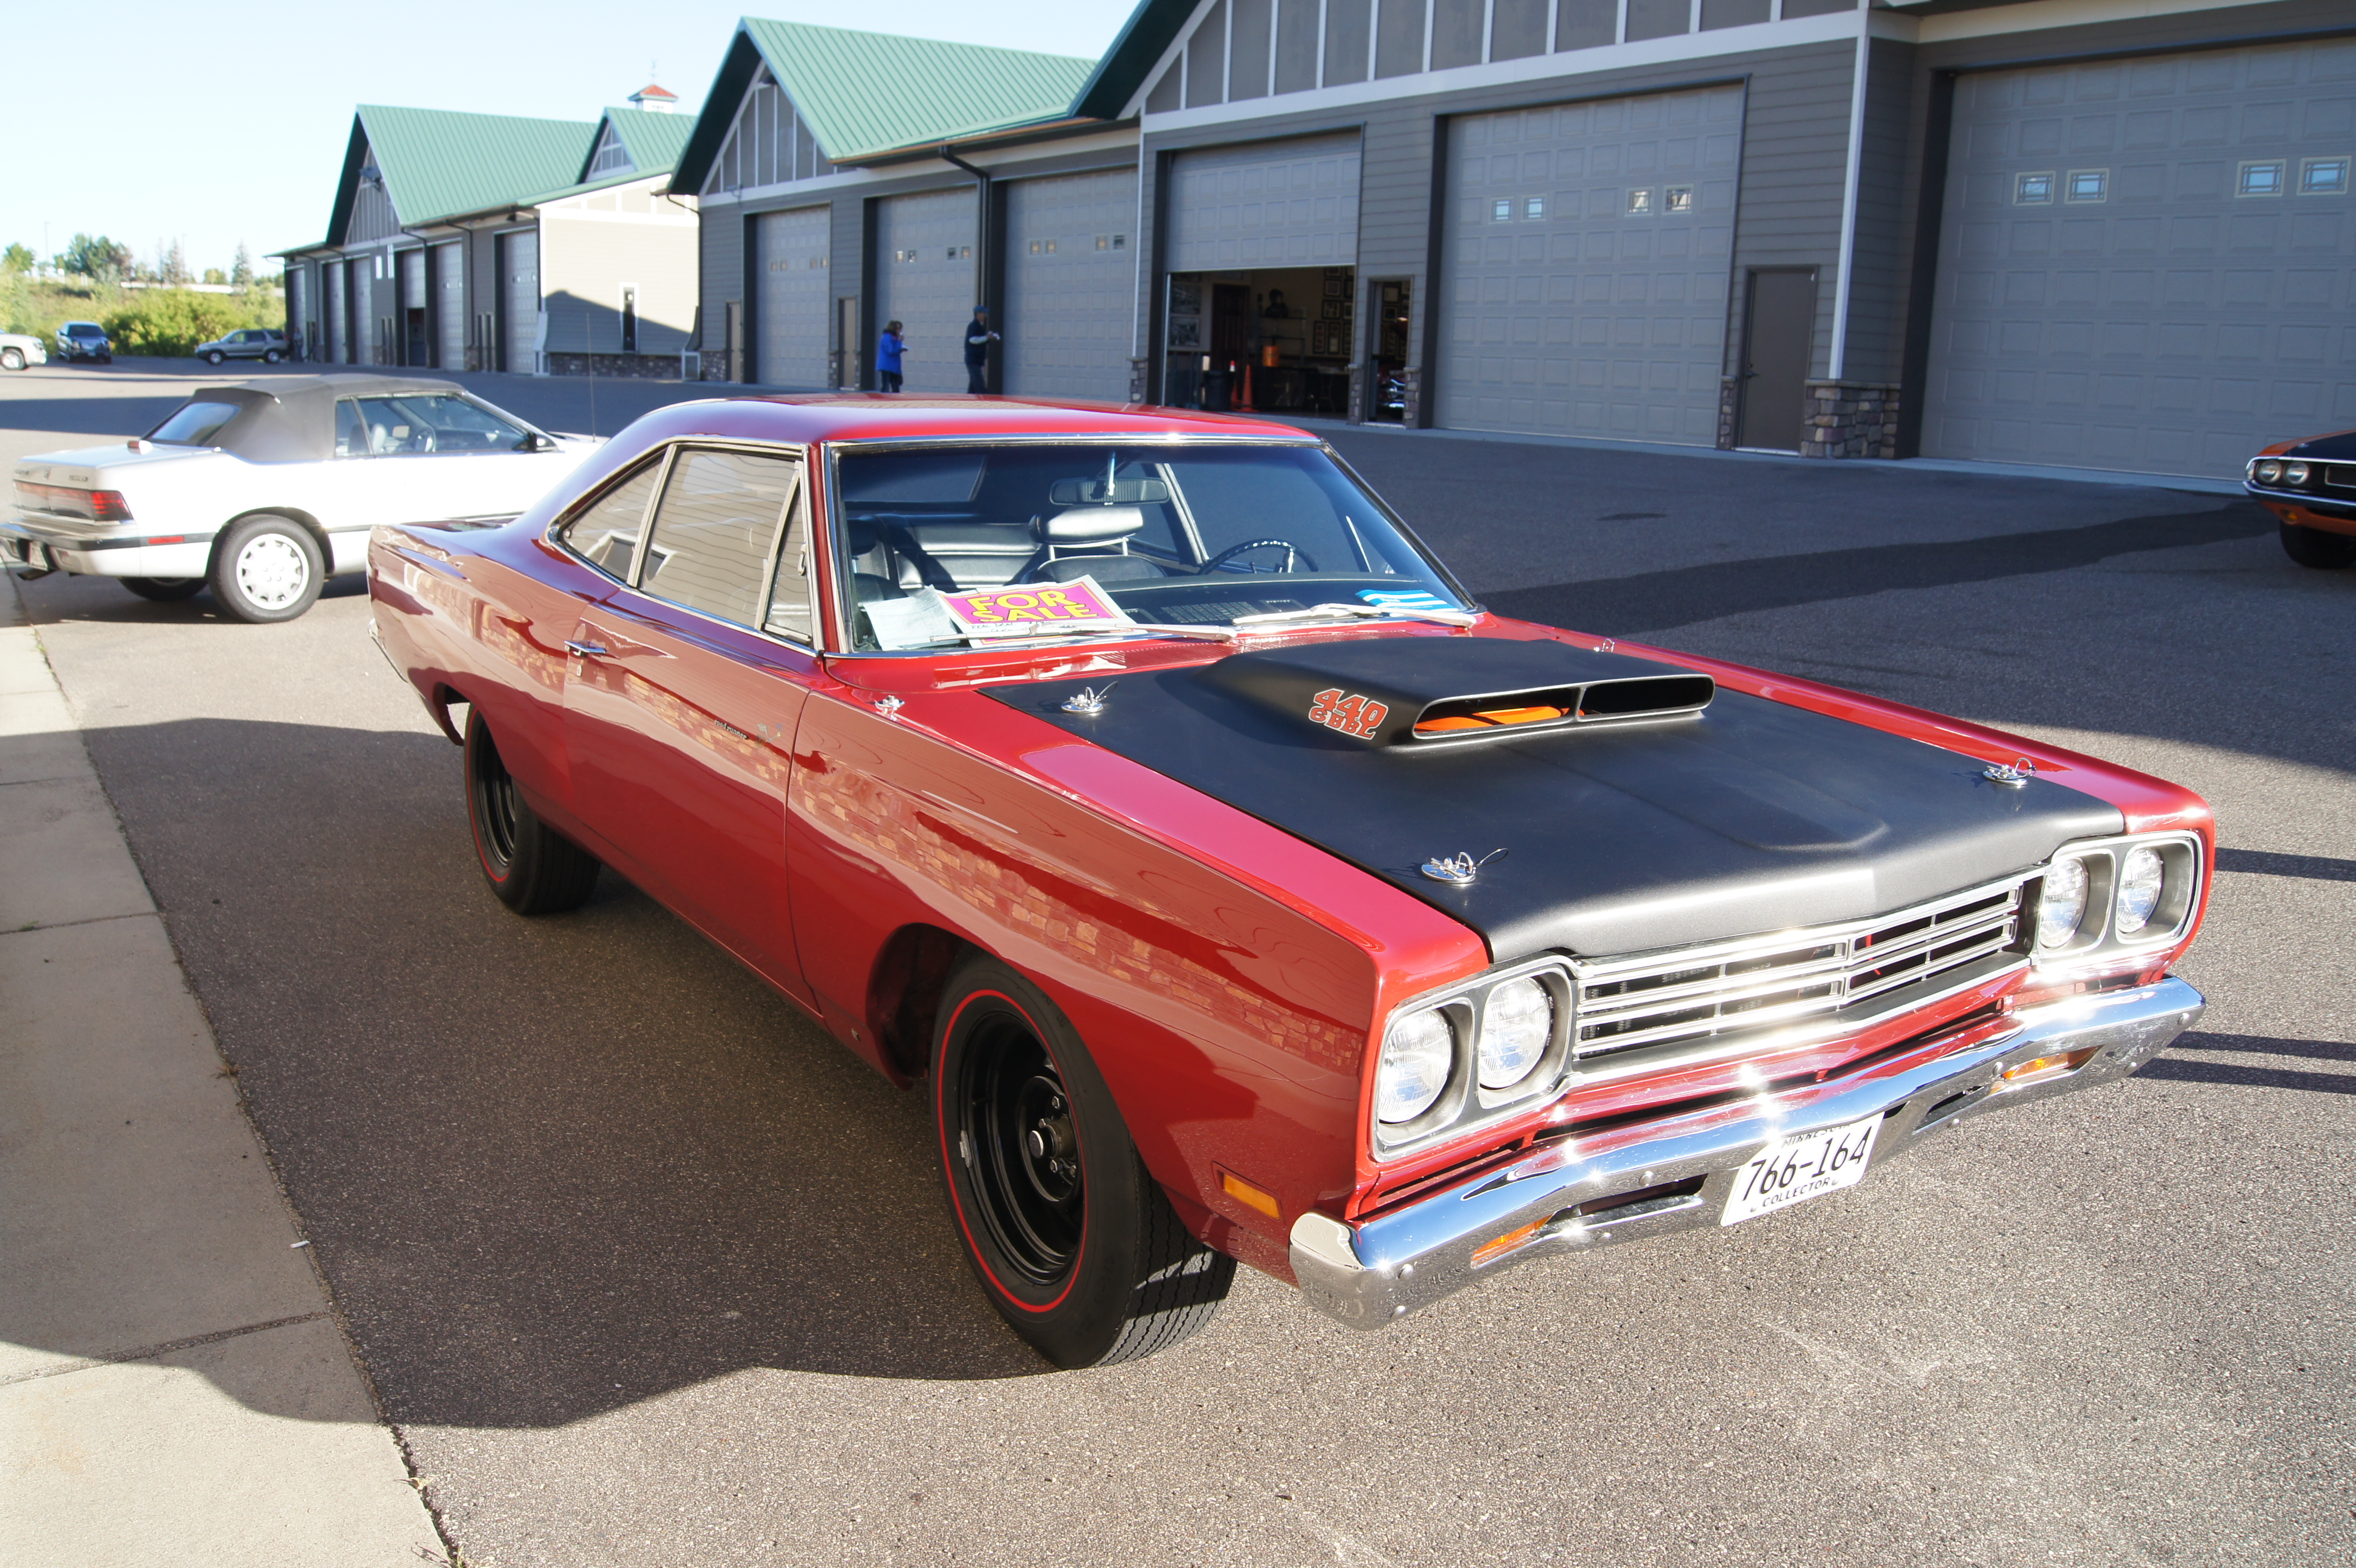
173	1389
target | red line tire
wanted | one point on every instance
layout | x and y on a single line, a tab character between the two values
1071	1237
533	870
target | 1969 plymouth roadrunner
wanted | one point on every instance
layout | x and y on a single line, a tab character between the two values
1234	887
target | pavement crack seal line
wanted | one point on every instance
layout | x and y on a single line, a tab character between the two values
334	1311
170	1346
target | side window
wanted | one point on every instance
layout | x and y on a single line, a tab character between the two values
351	436
789	600
458	425
605	532
715	531
388	427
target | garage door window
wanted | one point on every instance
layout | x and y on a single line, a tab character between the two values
2323	177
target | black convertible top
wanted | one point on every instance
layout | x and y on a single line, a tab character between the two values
292	419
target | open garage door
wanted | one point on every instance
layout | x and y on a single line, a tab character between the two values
924	280
2146	264
1071	284
1267	204
790	312
1587	250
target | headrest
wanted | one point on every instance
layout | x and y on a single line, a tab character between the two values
1092	525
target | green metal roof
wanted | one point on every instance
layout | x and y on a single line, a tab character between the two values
440	162
1135	50
864	93
653	141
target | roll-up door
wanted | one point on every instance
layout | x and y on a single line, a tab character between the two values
1268	204
791	307
360	310
923	279
450	293
521	298
1587	250
331	321
2147	264
1071	284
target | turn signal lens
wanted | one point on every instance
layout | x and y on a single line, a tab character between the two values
2063	905
1516	1025
1417	1052
1247	1195
2268	472
2141	878
2048	1067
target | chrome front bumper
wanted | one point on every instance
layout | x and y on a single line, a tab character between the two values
1378	1271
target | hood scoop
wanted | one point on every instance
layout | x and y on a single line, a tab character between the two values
1423	691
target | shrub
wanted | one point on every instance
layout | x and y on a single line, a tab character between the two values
174	321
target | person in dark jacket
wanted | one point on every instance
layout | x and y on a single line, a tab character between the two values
888	352
977	339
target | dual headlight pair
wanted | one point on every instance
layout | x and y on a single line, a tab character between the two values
2273	471
2117	894
1495	1044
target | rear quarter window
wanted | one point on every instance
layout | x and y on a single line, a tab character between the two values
195	425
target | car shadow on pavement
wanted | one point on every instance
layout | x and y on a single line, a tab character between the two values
547	1167
121	607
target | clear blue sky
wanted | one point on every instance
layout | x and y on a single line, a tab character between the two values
148	121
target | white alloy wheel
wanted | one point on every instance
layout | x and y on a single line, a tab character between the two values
12	358
272	571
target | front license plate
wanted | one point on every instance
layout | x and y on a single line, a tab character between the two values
1798	1169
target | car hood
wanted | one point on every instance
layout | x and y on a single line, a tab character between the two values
84	464
2340	447
1672	814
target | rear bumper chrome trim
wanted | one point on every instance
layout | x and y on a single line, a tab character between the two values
1378	1271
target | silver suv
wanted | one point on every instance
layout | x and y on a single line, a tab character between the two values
264	343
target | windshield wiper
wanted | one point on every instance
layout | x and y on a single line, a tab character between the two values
1272	619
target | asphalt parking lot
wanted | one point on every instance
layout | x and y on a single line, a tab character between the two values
644	1269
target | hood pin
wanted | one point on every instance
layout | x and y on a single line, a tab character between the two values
2013	775
1458	870
1088	700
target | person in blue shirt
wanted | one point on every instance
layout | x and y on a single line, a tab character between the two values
887	357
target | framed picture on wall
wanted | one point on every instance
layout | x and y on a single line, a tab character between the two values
1332	288
1337	310
1185	297
1185	332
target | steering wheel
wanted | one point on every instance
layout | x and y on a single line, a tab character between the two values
424	440
1293	554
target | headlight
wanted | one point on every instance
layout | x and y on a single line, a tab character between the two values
1417	1052
2268	472
2141	876
1516	1025
2293	473
2063	905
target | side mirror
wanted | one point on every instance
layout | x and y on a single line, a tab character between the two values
536	442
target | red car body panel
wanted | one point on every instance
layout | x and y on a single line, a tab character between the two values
1230	979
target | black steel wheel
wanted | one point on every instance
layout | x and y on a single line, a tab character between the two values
165	590
1073	1239
534	869
2314	547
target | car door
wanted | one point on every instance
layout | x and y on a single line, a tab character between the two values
683	691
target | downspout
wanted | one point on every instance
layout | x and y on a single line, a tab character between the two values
984	242
1838	367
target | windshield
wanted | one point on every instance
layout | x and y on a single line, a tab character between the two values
85	329
193	423
943	542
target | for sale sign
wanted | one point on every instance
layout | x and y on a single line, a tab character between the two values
1080	604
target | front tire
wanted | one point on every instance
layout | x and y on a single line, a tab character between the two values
267	569
2313	547
1072	1239
215	358
165	590
531	869
12	358
270	357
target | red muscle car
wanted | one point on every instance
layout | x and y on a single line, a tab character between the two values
1135	784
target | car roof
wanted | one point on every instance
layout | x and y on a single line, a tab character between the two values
292	419
870	417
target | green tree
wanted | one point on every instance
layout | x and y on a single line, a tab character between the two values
214	275
97	258
18	260
241	271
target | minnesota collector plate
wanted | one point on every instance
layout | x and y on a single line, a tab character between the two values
1794	1170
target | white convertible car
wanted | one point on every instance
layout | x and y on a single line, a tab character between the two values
263	491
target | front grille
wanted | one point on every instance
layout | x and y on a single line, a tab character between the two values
2340	476
1712	995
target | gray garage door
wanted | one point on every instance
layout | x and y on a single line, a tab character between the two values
1071	284
1267	204
924	278
332	310
1588	249
450	289
790	310
521	298
2146	264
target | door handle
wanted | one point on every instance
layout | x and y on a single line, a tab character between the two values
587	649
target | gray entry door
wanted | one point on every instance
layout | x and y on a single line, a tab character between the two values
2147	264
923	279
1587	250
790	309
1779	335
1071	284
522	297
1267	204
